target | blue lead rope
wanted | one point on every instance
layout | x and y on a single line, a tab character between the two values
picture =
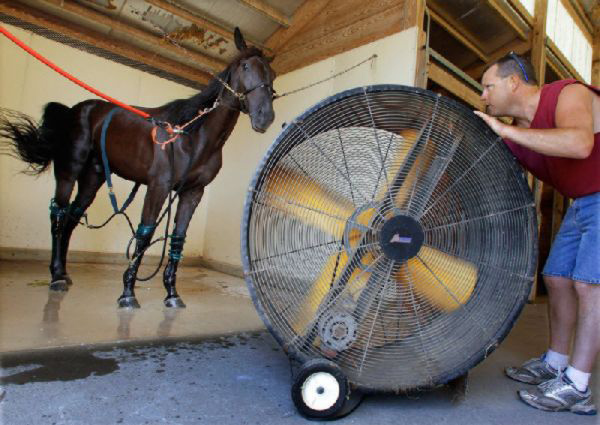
107	173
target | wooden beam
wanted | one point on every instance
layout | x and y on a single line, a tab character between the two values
302	17
422	59
457	31
195	19
518	46
520	9
508	17
538	45
205	61
562	59
200	21
268	10
332	34
454	85
581	20
96	39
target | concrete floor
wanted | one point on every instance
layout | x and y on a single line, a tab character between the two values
74	358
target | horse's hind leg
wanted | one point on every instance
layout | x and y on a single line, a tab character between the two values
67	169
88	183
155	197
188	201
59	211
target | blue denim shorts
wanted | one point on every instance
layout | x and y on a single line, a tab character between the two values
575	252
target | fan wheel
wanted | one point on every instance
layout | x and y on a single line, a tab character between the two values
321	391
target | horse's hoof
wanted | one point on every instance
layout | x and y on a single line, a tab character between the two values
174	302
128	302
59	285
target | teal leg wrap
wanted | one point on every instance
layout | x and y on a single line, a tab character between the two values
56	212
176	247
75	212
143	231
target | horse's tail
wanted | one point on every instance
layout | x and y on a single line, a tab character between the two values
36	144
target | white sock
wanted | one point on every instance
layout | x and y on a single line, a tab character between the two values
558	361
580	379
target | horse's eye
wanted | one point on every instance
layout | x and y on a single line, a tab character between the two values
245	67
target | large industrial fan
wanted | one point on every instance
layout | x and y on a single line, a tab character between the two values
388	242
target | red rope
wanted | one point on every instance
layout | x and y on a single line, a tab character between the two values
69	76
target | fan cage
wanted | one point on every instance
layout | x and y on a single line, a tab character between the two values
483	180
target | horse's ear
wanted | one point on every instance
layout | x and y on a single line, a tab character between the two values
240	43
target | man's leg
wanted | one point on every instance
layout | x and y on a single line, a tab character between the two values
570	391
562	315
587	336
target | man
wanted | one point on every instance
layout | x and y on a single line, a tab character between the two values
556	135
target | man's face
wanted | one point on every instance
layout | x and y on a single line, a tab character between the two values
496	93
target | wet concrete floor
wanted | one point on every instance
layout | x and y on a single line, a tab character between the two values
213	363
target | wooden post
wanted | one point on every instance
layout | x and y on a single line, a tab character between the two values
422	59
538	60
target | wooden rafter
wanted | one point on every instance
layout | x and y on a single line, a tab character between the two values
510	18
520	9
334	32
580	17
457	30
71	6
302	17
268	10
518	46
563	61
96	39
454	85
200	21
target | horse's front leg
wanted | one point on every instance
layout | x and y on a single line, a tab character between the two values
188	201
155	197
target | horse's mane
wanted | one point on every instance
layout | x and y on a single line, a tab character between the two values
180	111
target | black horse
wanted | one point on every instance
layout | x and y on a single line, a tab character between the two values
71	138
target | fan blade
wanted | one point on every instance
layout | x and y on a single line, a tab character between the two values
447	282
304	199
401	187
323	284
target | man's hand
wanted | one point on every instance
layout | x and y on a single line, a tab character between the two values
495	124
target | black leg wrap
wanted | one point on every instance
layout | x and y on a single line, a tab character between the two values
169	276
58	219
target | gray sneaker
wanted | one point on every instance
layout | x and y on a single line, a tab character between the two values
534	371
559	394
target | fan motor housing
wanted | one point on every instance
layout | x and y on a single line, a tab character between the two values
401	237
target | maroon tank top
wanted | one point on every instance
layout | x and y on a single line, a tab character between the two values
573	178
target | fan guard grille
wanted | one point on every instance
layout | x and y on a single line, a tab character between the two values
314	256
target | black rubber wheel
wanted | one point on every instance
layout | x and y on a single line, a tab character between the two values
321	391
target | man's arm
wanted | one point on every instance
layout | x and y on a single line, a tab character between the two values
574	135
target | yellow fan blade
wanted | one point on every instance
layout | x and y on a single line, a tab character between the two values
304	199
322	285
458	278
422	163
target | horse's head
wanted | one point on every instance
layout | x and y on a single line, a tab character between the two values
252	77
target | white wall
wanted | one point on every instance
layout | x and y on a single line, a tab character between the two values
396	63
26	85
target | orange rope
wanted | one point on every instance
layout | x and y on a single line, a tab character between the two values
69	76
175	131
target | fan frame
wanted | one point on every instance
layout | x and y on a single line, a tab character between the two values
260	172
